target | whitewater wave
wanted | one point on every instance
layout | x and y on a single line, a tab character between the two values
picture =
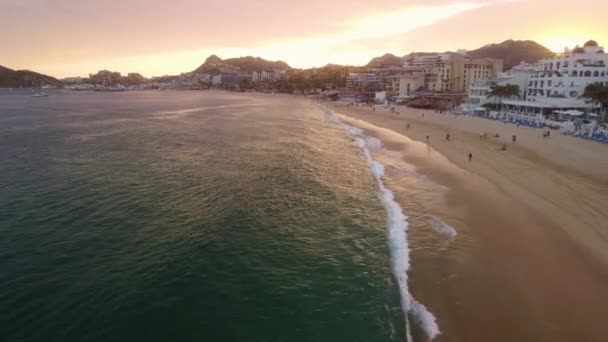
397	231
442	227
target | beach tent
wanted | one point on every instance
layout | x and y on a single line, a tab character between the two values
479	111
573	112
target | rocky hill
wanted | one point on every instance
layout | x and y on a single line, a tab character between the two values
386	60
513	52
10	78
214	64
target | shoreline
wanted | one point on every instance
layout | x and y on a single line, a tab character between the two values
550	176
530	268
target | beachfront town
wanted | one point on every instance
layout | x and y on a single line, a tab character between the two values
550	91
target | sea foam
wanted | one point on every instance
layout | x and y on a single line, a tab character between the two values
397	226
442	227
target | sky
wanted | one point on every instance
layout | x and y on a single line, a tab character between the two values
161	37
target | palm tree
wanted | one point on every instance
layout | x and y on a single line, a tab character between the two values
597	94
504	92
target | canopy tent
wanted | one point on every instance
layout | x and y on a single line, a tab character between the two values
571	112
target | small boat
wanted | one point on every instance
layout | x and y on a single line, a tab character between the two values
40	94
112	88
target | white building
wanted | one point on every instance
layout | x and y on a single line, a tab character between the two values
557	83
380	97
566	75
268	76
216	80
479	89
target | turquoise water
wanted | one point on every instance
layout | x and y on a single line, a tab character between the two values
188	216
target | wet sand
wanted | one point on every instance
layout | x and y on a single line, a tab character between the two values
530	262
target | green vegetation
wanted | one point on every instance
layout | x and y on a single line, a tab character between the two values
597	94
504	92
10	78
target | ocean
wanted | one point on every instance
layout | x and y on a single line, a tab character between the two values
197	216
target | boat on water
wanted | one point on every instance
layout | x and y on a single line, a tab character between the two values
112	88
40	94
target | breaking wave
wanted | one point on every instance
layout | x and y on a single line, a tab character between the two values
397	227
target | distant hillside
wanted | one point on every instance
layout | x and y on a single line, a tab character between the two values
385	61
10	78
214	64
513	52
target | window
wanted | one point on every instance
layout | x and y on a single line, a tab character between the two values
549	82
542	84
557	65
596	74
551	66
587	73
575	73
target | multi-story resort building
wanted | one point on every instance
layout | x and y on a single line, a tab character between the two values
557	83
479	89
362	80
408	81
455	72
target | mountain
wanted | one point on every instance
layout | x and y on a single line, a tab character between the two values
513	52
214	64
385	61
10	78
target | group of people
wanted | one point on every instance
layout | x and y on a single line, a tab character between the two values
547	134
484	136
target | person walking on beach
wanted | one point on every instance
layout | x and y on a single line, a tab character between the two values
447	137
470	156
427	139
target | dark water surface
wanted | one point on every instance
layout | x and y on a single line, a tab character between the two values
187	216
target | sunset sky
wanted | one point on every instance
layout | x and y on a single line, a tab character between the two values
156	37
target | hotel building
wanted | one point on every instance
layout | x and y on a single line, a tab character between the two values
455	72
558	82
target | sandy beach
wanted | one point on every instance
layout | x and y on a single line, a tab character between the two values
532	261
